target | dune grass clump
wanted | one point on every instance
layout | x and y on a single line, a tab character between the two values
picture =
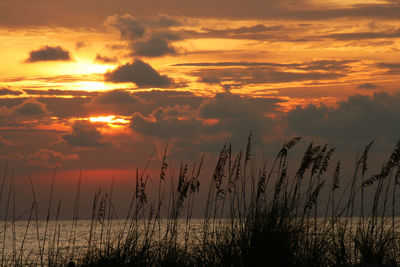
267	216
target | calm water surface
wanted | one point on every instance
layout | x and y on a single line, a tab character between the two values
29	238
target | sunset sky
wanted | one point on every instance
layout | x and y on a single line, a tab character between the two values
101	85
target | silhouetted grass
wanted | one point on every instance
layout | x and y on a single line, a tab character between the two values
252	217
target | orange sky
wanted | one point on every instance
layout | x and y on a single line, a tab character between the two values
102	85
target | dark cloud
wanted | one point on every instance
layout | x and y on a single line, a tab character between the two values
256	28
95	77
165	98
367	86
140	73
105	59
66	107
262	75
359	118
363	35
167	35
235	64
269	72
392	68
210	80
238	115
85	134
55	106
162	125
162	21
121	102
115	97
116	46
258	31
129	27
58	92
49	158
80	44
48	53
133	28
118	102
327	65
20	13
153	47
29	108
147	37
228	105
324	65
5	91
379	11
227	115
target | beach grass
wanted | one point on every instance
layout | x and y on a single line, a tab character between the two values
266	216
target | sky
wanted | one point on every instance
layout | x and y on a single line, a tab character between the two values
101	86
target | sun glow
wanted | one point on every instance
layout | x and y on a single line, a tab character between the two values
111	120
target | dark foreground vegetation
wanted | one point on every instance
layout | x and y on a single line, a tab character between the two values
269	216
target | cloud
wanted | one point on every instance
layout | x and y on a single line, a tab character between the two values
363	35
85	134
48	53
29	108
258	31
237	115
153	47
105	59
63	107
367	86
123	102
392	68
326	64
129	27
235	64
359	118
80	44
378	10
146	37
140	73
13	157
258	75
224	115
210	80
166	35
256	28
58	92
5	91
20	13
241	73
49	158
165	98
163	124
115	97
162	21
118	102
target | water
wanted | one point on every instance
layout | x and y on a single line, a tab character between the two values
25	240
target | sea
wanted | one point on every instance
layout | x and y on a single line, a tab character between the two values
34	241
